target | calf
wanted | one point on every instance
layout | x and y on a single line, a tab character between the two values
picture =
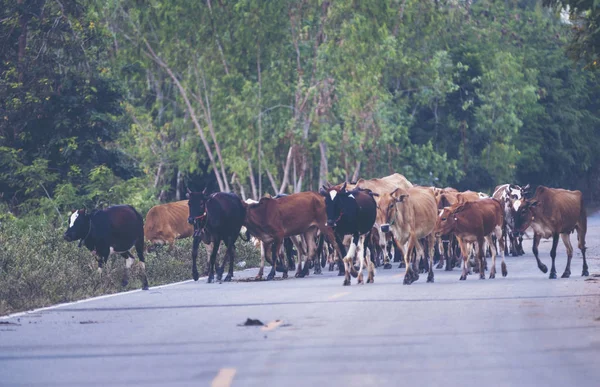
115	229
167	222
553	212
351	213
475	222
217	217
410	215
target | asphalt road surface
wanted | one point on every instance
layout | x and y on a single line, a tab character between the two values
523	330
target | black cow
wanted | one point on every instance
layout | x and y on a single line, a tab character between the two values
351	213
216	217
115	229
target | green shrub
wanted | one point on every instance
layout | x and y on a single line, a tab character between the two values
38	268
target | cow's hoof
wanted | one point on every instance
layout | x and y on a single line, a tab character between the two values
492	275
270	277
346	282
407	280
145	287
543	268
284	275
430	278
301	274
585	272
566	274
195	275
228	278
370	281
258	277
463	277
440	265
387	266
504	271
317	272
552	275
481	276
209	280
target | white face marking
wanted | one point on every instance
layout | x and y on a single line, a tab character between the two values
517	204
73	218
251	201
351	196
515	193
332	194
441	212
129	262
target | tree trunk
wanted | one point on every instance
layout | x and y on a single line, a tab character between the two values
255	195
286	170
323	169
221	180
179	186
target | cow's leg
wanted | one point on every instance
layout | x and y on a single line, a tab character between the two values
139	248
213	258
419	254
464	246
502	242
371	261
581	229
536	243
567	241
553	255
389	247
195	244
409	273
261	270
129	260
310	256
319	256
274	250
494	254
481	257
430	246
341	254
231	254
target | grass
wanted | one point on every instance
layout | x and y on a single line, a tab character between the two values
38	268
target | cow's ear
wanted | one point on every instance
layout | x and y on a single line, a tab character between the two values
526	188
187	195
343	189
322	191
401	198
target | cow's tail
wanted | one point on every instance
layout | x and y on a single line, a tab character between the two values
582	228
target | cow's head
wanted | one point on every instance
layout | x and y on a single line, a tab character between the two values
515	192
197	208
523	212
388	206
337	203
79	226
445	222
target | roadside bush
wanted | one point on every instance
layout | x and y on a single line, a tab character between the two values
38	268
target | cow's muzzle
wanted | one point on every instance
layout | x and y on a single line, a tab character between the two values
331	223
67	237
191	220
385	227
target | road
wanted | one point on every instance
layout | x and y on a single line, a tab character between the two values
523	330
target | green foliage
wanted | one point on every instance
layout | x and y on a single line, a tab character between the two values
38	268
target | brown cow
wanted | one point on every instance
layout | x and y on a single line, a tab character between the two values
410	215
553	212
272	220
475	222
167	222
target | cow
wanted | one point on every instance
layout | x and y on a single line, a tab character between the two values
380	186
115	229
473	222
550	213
351	213
272	220
507	194
167	222
287	247
410	215
216	217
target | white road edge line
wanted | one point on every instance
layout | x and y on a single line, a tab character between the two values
33	311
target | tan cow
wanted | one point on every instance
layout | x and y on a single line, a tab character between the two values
550	213
167	222
410	215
